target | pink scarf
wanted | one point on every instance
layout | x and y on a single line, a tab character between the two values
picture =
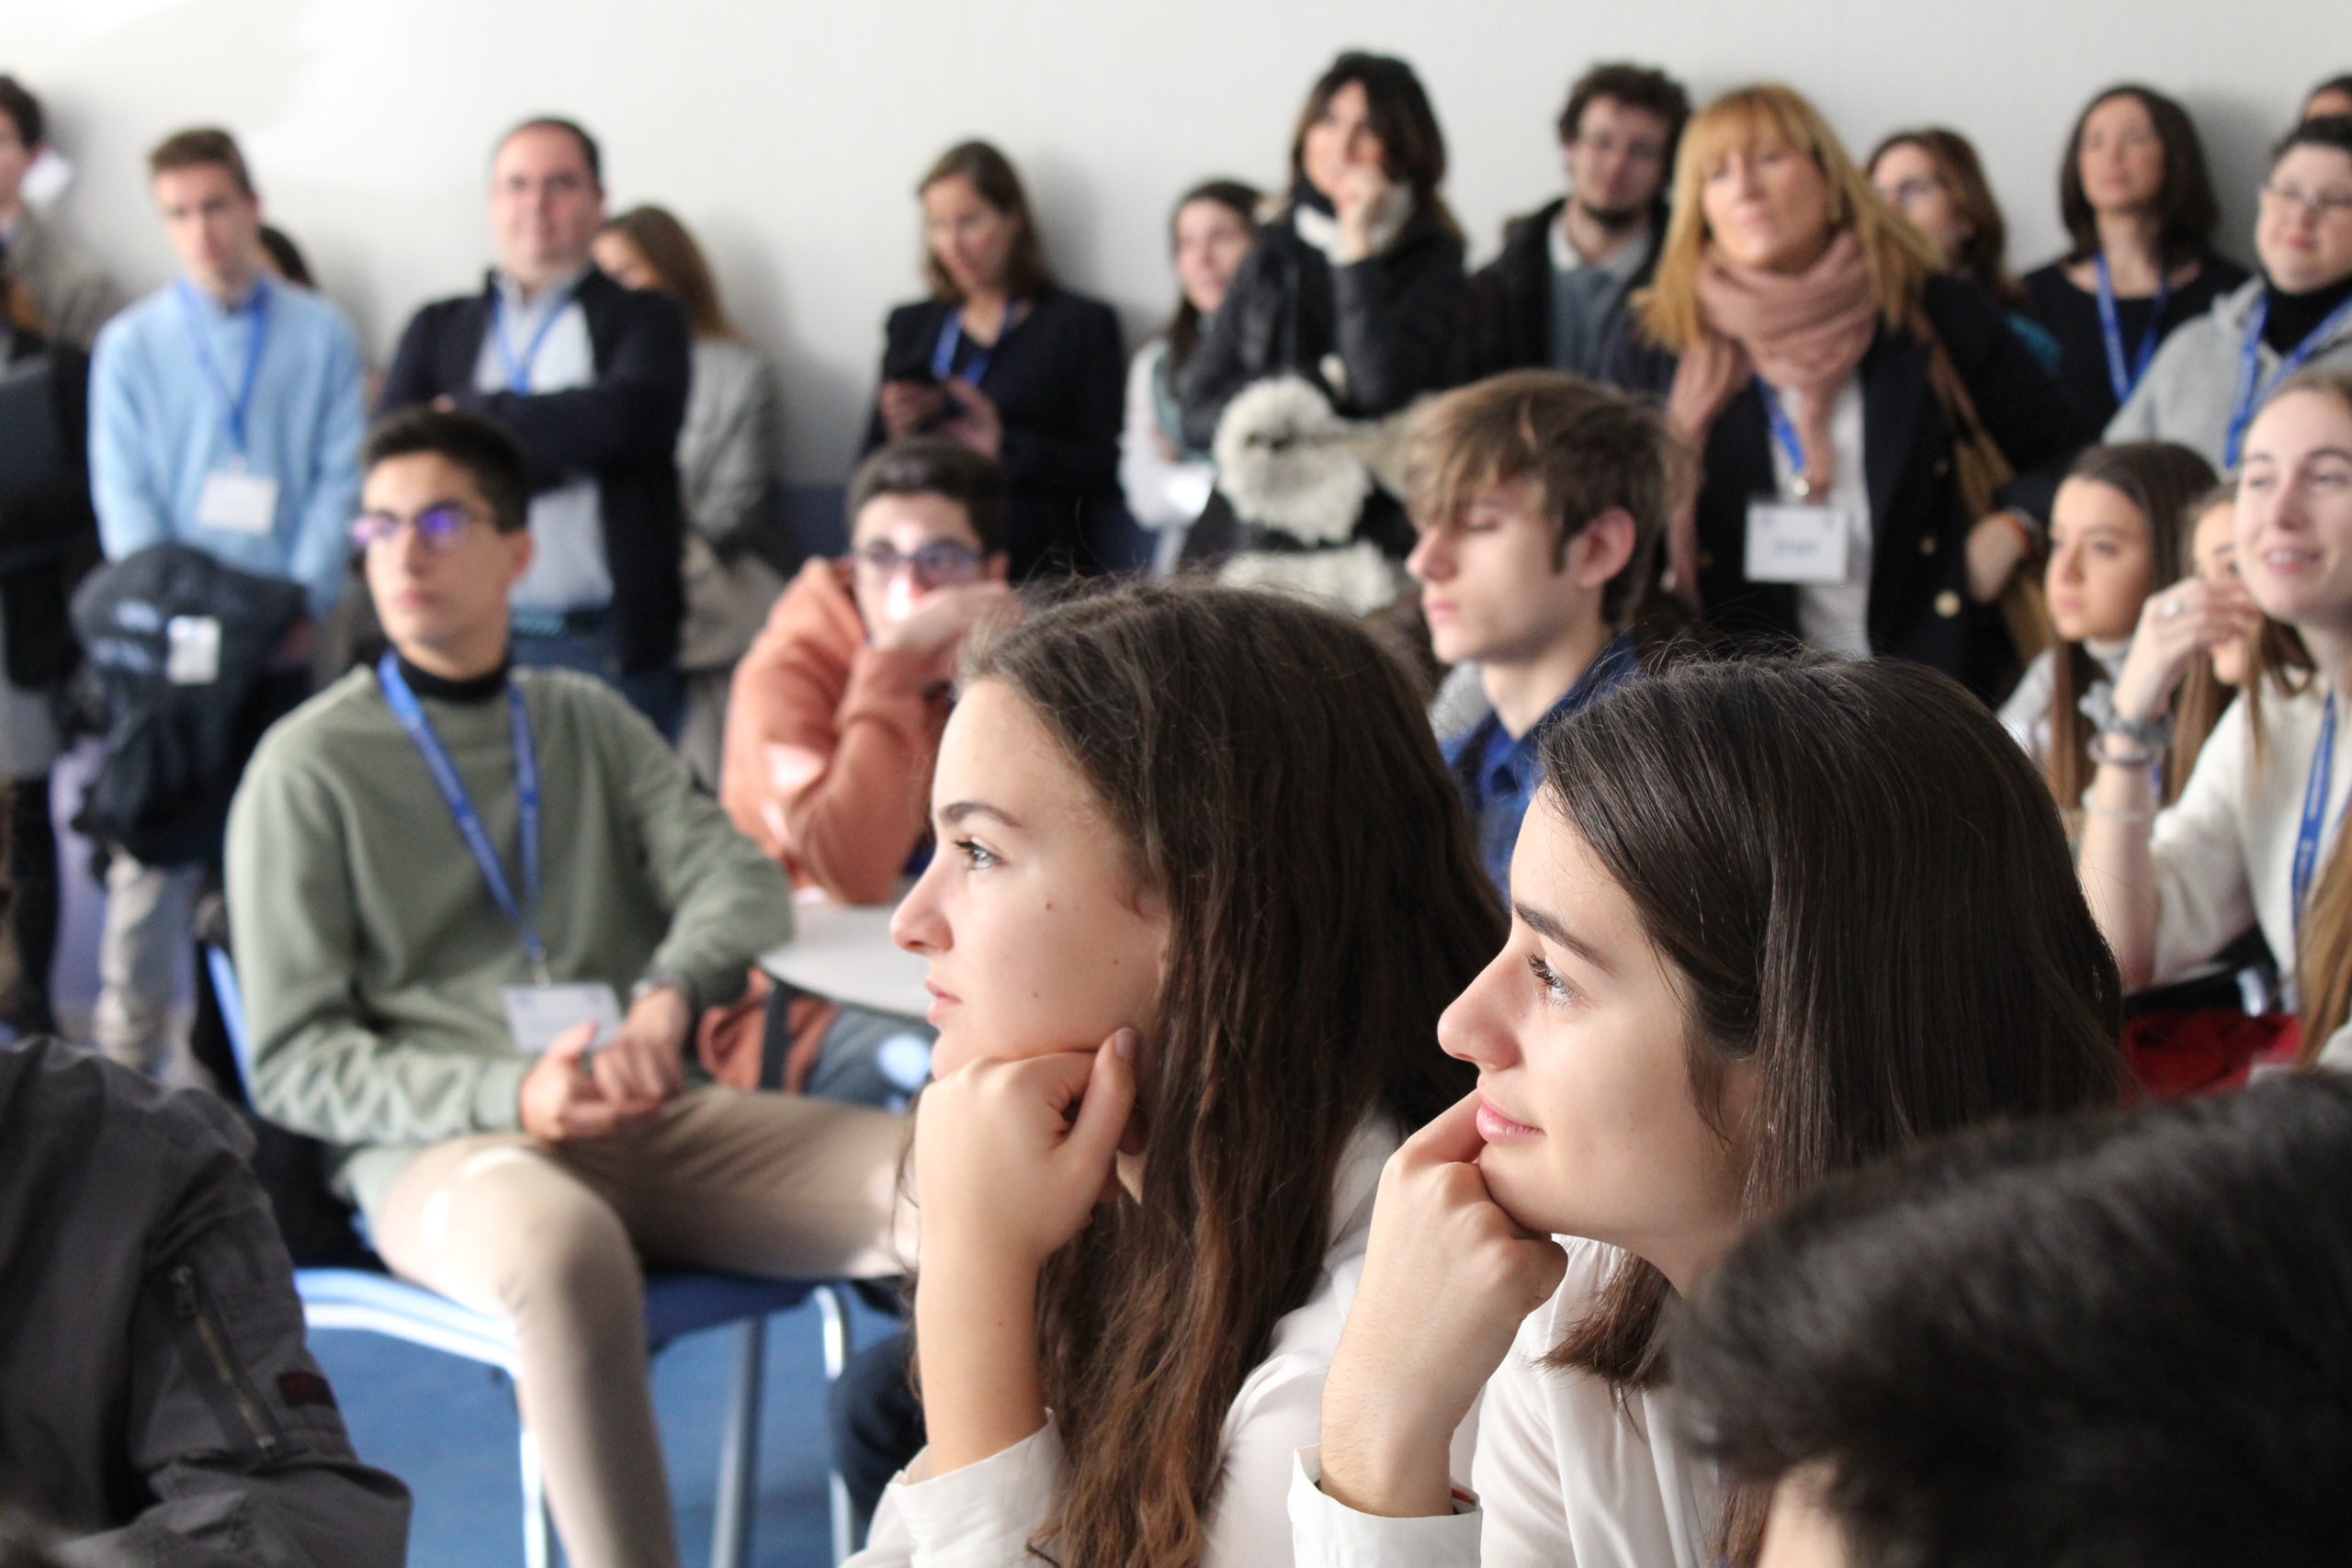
1802	332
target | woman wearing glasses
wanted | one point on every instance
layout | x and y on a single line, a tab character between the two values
2210	377
837	709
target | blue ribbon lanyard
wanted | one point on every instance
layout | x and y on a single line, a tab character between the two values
951	336
2307	834
2120	375
1785	433
411	713
2250	368
237	406
519	371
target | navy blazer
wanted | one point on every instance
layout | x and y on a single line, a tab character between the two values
623	429
1920	606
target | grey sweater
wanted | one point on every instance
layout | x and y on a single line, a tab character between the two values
2192	384
371	954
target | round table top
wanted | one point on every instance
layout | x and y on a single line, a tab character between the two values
844	951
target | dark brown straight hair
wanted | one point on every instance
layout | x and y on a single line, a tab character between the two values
1398	108
1861	887
669	248
1983	255
2163	481
1274	779
2186	210
992	177
1185	327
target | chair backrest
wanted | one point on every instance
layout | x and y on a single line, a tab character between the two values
223	974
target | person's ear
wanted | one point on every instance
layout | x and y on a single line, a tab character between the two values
519	548
995	565
1602	547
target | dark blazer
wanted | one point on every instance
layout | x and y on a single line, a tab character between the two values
1058	380
623	429
1510	297
49	535
2072	316
1920	606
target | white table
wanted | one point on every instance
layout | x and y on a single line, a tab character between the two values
845	953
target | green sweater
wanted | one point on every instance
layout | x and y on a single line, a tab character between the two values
369	951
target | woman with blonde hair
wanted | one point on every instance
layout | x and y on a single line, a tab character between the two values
1808	340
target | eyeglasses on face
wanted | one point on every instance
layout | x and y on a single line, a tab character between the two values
441	525
942	560
2321	204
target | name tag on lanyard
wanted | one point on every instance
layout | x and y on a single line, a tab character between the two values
1799	541
237	503
232	500
538	1015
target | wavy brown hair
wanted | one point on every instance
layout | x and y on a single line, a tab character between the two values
2185	210
1983	255
992	177
1413	146
1275	780
669	248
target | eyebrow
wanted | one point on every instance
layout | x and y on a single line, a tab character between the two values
952	815
1548	927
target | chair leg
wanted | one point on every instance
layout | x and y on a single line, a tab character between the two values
538	1533
834	1312
738	1455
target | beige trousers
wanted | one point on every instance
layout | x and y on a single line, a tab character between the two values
551	1235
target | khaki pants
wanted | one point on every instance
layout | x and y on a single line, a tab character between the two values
551	1235
146	930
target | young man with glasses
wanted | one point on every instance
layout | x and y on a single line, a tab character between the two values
1552	296
478	914
2211	374
837	709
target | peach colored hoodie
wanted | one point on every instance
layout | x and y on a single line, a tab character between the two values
831	742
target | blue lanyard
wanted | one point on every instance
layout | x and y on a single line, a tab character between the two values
2307	835
2123	376
411	713
1785	433
950	335
519	371
238	405
2250	368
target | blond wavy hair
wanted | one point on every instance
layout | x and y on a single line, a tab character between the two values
1899	258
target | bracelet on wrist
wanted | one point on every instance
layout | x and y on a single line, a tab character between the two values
2114	748
2112	815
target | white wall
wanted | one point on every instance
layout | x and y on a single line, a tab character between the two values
788	134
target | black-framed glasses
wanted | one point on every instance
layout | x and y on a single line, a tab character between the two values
941	561
441	525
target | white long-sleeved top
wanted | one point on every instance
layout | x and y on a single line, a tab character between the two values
1565	1477
1164	494
2224	852
984	1514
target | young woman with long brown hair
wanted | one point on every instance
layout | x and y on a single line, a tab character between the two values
1772	919
1931	174
1796	327
1191	926
2255	838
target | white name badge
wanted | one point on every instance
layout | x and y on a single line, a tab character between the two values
238	503
1799	542
536	1014
191	650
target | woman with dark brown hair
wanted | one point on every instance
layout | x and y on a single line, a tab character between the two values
726	469
2140	213
1771	919
1185	1004
1356	290
1931	174
1005	360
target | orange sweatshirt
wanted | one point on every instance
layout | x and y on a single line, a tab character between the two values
831	742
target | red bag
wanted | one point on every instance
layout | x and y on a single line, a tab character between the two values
2200	1051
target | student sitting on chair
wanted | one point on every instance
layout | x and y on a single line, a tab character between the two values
442	879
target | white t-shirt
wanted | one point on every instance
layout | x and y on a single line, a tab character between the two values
1565	1476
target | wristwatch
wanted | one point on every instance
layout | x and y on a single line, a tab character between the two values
668	980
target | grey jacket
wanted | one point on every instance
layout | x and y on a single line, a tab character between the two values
71	292
2191	386
725	447
156	1400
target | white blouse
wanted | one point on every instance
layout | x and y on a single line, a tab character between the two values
1164	493
983	1514
1565	1477
1836	617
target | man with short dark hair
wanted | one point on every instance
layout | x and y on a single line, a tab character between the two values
1555	291
445	876
225	415
592	377
71	294
1539	499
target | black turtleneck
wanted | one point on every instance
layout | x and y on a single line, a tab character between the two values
441	689
2292	317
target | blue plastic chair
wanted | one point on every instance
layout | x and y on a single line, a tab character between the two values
677	1302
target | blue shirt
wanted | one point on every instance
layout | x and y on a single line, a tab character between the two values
1499	772
159	426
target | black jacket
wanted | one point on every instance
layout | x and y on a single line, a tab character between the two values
1920	606
49	533
2072	316
159	1403
623	430
1057	379
1510	297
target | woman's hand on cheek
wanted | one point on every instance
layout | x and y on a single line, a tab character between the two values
1011	1156
1448	1277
